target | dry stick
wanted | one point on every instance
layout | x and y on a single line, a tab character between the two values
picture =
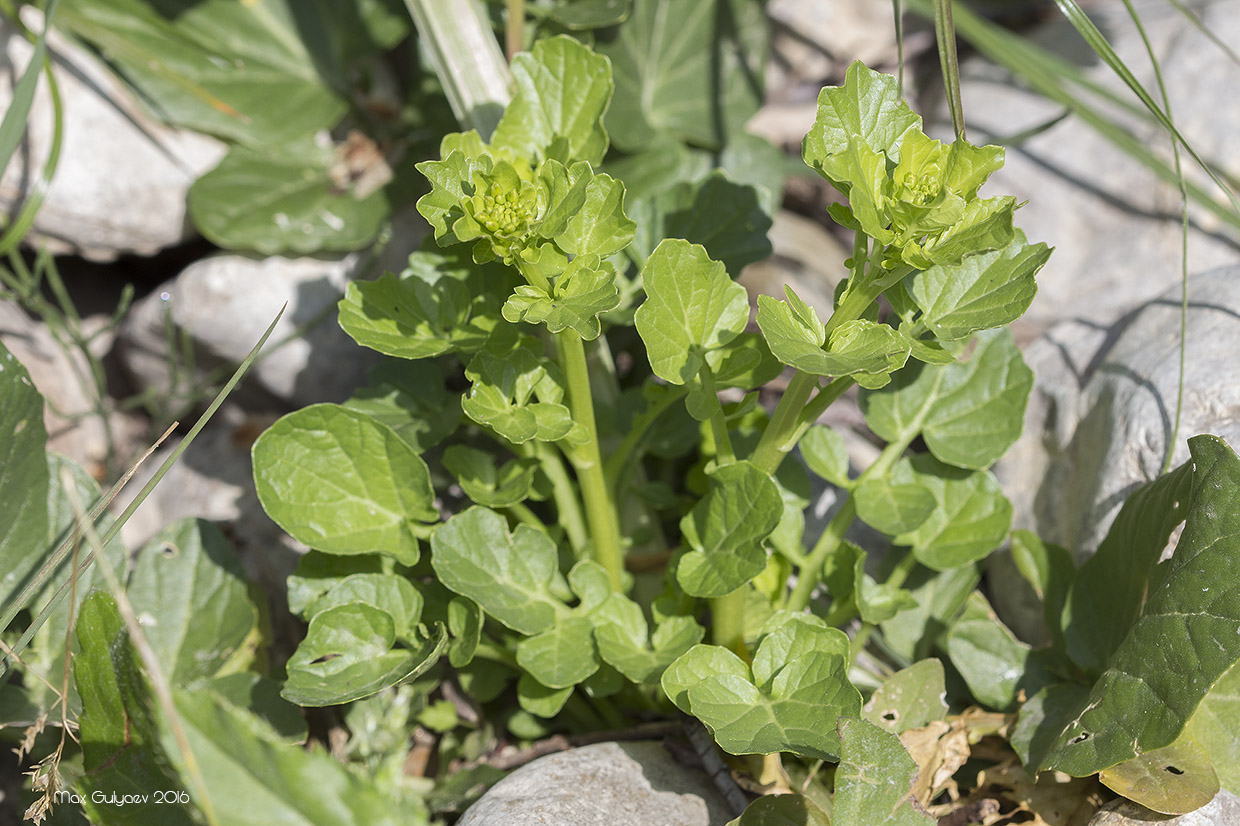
704	747
558	742
159	682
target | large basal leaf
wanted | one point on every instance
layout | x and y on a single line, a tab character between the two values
252	777
23	477
281	199
1184	641
189	590
341	482
562	91
692	307
982	291
786	701
350	652
1107	595
243	71
1216	725
1174	780
969	413
121	753
724	532
689	68
874	781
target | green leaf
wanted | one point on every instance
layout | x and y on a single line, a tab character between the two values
874	781
996	665
688	68
982	291
452	184
985	225
586	289
1108	593
502	393
590	14
1050	570
939	596
189	583
259	695
782	810
348	654
798	680
412	318
561	656
242	71
724	532
485	481
877	602
1216	725
691	309
1174	780
866	110
600	226
1041	719
621	633
744	362
23	477
562	91
865	349
120	744
465	625
969	413
317	573
253	778
825	452
910	698
341	482
391	593
539	700
971	517
509	574
896	503
282	199
410	397
724	216
1184	640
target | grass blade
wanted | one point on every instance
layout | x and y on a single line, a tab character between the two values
945	35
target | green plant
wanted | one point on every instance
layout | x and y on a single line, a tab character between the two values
561	482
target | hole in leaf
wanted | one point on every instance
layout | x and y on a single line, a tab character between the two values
1080	738
324	658
168	550
889	716
1173	770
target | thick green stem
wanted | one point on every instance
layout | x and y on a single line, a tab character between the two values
727	622
600	507
724	454
777	439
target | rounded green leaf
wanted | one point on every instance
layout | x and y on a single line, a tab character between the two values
691	308
971	518
413	318
341	482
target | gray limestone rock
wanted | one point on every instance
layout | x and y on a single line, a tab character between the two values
1223	810
1114	224
1103	407
606	784
121	180
225	302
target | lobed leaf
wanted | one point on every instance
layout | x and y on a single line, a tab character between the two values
412	318
585	290
971	518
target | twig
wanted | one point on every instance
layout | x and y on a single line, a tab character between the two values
704	746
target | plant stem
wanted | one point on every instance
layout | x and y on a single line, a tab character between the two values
775	442
727	622
567	506
724	454
810	575
514	28
600	507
